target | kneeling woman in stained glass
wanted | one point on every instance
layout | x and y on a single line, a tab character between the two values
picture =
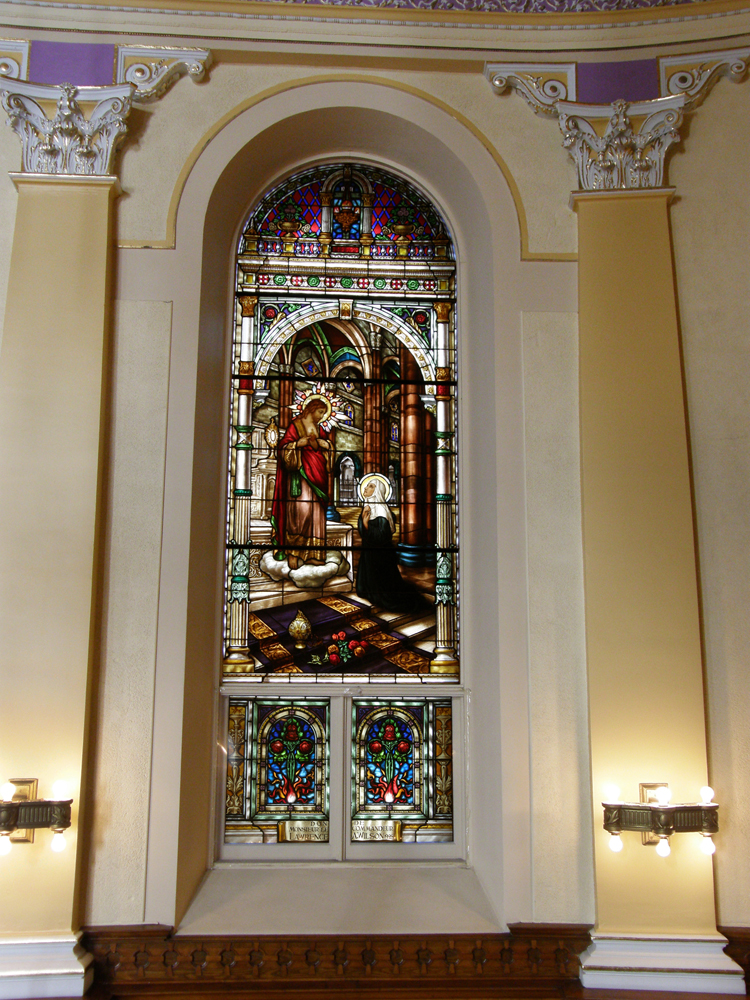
378	578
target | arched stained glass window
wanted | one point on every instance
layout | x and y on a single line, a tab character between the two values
342	555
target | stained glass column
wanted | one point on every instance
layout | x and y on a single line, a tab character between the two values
237	650
445	596
373	411
411	545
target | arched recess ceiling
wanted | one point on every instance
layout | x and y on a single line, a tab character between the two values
327	122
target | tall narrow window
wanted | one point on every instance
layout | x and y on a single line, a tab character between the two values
342	556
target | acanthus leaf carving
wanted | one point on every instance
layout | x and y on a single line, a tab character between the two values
621	157
70	142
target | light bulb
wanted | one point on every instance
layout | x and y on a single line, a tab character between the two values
662	848
707	845
8	791
58	842
615	843
707	794
611	792
60	790
663	795
5	845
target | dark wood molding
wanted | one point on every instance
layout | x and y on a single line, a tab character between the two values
738	947
530	958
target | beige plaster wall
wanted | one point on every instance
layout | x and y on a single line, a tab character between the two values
10	160
711	225
124	711
562	853
168	132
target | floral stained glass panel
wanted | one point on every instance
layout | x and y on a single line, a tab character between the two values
402	785
277	771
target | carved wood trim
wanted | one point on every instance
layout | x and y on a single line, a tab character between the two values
738	947
542	958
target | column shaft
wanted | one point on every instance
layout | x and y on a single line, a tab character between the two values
642	613
52	374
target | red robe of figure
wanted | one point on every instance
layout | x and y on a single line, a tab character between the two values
300	499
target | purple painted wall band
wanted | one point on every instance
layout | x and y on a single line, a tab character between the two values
78	63
602	83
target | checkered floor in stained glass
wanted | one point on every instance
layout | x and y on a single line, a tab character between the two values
339	626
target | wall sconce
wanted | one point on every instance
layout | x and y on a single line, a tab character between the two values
656	820
21	813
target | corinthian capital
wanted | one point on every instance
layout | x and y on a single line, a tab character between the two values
611	152
80	138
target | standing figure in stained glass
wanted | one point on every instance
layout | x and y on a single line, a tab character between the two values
378	577
300	499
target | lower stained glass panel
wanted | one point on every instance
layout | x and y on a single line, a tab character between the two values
277	782
402	787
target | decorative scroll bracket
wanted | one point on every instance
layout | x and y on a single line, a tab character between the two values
153	69
694	75
541	85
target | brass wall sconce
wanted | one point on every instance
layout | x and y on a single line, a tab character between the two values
21	813
656	820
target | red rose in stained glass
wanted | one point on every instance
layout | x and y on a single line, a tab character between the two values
305	746
390	732
402	746
291	731
376	746
420	318
277	746
269	312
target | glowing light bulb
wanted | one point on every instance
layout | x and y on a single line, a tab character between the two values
615	843
662	848
708	846
8	791
663	795
5	845
58	842
611	792
60	790
707	794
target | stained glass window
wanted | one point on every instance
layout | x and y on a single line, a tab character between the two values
342	522
342	351
402	786
277	771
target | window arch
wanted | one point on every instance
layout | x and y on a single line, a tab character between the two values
343	399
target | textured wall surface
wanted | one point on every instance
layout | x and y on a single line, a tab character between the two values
562	861
166	134
711	224
10	159
138	411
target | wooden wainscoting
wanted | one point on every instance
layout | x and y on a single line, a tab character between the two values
531	961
